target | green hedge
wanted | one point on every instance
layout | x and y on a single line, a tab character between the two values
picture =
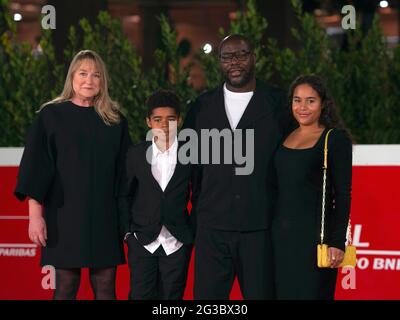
365	79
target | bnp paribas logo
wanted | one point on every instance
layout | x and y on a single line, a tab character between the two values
381	259
374	259
18	250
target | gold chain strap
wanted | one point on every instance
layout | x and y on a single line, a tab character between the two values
348	238
325	167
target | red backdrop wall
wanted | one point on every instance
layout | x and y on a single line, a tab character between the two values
375	218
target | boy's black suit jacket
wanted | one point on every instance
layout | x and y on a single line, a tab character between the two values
144	208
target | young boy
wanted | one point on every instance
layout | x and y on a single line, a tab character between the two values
153	197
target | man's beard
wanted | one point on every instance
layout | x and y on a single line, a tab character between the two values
247	77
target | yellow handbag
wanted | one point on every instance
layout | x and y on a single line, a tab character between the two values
350	255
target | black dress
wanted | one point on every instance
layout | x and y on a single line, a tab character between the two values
70	165
296	224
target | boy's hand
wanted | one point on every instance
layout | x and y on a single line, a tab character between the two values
127	235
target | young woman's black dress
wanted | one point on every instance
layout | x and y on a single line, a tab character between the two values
71	164
296	224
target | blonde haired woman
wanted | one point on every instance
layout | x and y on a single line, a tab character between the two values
71	162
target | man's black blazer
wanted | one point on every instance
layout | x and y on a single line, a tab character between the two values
144	208
221	199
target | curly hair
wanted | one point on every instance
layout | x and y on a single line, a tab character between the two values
330	117
163	98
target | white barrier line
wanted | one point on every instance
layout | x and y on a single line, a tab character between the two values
19	245
14	217
376	155
379	252
10	156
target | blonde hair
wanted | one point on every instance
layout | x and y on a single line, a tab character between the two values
105	107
